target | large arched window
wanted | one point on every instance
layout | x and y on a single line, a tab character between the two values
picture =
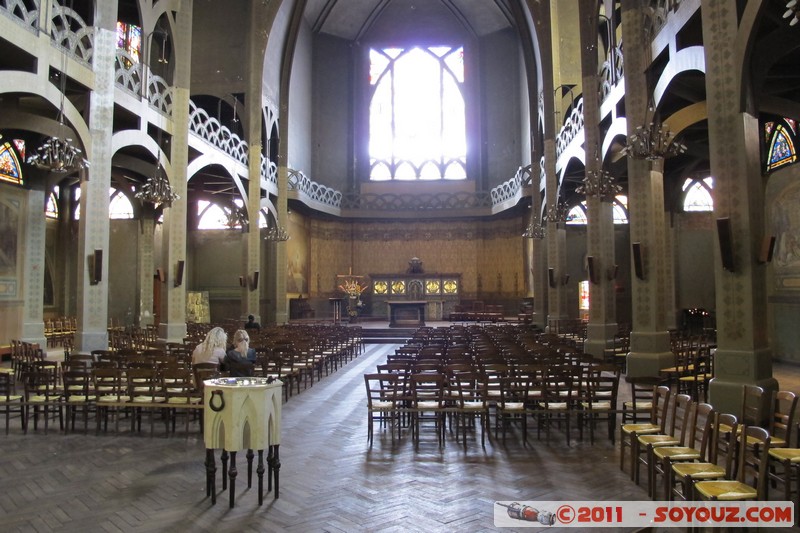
9	162
780	137
119	205
417	115
697	194
577	215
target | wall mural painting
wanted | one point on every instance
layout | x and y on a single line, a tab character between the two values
297	258
786	225
10	209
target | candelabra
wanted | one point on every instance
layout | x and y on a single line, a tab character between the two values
277	234
157	189
237	218
793	11
599	184
557	213
535	230
652	141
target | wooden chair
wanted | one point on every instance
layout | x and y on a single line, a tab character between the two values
43	396
111	395
469	402
749	461
694	449
784	467
382	402
144	393
9	402
427	404
514	403
177	386
600	401
681	477
677	431
78	397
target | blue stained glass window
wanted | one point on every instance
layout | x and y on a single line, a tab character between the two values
780	136
9	165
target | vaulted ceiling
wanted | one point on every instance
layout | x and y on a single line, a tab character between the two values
353	19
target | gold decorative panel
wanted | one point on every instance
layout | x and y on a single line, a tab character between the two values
380	287
450	286
398	287
433	286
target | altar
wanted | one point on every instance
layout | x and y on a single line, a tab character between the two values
406	313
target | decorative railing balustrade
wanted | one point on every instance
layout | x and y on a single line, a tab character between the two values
159	94
416	202
572	126
510	189
80	42
210	130
269	171
128	73
315	191
26	13
658	14
611	71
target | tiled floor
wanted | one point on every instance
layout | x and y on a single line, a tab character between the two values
330	478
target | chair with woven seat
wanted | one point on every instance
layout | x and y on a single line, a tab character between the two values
43	396
144	393
111	395
657	424
9	401
78	397
784	467
599	403
746	461
678	425
681	477
782	418
695	447
427	404
177	386
514	403
382	402
469	402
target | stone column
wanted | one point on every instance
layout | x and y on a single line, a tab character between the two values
146	268
173	329
744	356
600	229
93	235
33	266
650	343
251	303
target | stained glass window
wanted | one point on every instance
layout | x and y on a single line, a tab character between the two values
211	216
398	287
9	165
620	209
129	38
697	194
417	114
780	138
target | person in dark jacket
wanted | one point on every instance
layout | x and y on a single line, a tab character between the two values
240	360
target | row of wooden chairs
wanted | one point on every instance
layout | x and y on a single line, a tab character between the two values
704	454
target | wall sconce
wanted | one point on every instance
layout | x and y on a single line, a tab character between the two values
725	235
612	273
638	264
551	277
254	285
96	267
179	273
241	281
592	267
162	277
767	249
565	279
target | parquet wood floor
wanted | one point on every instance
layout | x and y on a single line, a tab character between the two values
330	479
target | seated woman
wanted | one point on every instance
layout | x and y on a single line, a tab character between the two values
212	349
240	360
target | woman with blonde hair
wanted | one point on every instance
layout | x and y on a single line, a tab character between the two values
213	347
240	360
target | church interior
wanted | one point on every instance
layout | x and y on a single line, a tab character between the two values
608	179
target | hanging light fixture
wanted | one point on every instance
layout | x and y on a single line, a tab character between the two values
57	153
653	140
157	189
793	12
237	218
557	213
277	234
599	184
